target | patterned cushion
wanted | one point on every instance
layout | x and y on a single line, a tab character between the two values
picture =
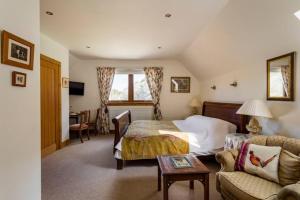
289	168
76	126
245	186
259	160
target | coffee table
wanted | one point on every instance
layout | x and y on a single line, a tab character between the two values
198	171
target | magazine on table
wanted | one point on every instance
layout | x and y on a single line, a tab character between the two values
180	162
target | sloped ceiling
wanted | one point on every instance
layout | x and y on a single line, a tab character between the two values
243	33
126	29
210	37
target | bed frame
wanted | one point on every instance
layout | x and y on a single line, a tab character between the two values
224	111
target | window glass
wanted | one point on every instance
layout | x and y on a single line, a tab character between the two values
141	89
119	90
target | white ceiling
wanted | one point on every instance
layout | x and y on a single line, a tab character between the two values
127	29
244	34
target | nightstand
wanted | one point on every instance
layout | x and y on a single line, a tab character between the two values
235	140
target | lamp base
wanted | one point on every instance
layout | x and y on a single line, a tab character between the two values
195	111
253	127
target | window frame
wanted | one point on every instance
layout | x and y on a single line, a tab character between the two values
130	101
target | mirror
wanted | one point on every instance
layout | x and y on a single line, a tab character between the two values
280	78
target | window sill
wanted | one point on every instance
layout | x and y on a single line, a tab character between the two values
134	103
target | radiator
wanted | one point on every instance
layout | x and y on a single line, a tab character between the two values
137	113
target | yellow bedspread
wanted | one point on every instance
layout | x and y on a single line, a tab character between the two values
145	139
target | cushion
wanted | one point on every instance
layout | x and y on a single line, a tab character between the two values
76	126
260	140
276	140
244	186
260	160
289	168
207	132
292	145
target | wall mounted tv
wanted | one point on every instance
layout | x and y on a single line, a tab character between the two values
76	88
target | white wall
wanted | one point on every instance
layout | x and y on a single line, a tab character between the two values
236	45
252	85
174	106
58	52
20	168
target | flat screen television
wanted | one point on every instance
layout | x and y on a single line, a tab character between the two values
76	88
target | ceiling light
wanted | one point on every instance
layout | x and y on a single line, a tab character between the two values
297	14
88	47
159	47
168	15
49	13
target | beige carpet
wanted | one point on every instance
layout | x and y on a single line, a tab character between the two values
87	172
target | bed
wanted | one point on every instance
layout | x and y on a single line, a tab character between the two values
202	135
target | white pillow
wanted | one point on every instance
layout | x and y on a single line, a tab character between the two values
215	129
199	122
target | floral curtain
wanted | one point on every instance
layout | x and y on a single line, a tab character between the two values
154	76
285	77
105	80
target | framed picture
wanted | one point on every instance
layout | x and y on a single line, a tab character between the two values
18	79
180	84
65	82
16	51
280	78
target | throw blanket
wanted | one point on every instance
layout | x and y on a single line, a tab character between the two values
146	139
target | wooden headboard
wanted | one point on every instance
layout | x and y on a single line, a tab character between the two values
227	112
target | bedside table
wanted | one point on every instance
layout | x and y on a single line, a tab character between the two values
235	140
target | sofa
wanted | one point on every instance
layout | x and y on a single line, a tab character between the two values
238	185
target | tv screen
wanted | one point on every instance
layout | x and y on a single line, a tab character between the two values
76	88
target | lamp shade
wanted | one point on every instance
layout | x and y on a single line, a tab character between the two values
195	103
255	108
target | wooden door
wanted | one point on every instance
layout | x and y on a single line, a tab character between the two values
50	105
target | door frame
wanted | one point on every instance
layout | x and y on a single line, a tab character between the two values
58	135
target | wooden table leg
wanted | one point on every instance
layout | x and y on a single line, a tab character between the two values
191	185
206	186
158	178
166	188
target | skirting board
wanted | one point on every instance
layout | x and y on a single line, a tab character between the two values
65	143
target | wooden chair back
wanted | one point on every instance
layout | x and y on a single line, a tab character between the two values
84	118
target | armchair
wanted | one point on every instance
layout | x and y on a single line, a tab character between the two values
237	185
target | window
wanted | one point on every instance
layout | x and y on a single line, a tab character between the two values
119	90
130	89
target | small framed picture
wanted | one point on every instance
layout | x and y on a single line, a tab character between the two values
16	51
65	82
180	84
18	79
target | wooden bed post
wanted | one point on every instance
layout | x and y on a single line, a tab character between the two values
119	164
121	123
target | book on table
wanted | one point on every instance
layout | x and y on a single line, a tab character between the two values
180	162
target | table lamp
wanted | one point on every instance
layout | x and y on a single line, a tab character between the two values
254	108
195	104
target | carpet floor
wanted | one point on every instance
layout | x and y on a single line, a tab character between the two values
87	172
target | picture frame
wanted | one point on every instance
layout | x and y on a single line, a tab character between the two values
280	78
180	84
65	82
16	51
18	79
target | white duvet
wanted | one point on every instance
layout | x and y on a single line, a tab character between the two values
206	134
